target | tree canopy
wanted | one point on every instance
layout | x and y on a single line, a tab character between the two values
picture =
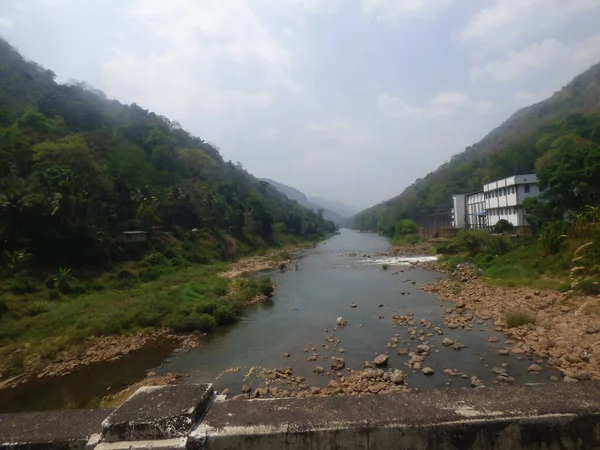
76	169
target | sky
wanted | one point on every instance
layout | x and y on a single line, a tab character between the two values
350	100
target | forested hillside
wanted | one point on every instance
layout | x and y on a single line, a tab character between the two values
76	169
513	147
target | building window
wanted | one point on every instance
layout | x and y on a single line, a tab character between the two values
527	189
512	190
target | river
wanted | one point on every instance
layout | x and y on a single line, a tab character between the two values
342	270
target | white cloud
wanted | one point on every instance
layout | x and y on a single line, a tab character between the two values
269	135
395	10
303	6
549	55
443	104
210	57
5	23
509	19
529	98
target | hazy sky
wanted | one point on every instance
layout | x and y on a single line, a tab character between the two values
346	99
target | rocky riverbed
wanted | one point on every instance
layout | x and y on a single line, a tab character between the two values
564	329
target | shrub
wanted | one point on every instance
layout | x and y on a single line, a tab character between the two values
385	267
497	245
220	291
63	280
473	241
53	295
124	274
154	259
552	236
517	318
225	313
589	286
186	323
50	282
503	226
266	287
23	285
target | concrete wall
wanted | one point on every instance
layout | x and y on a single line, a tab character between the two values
561	416
459	211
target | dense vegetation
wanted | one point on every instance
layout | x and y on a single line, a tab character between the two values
78	169
564	249
513	147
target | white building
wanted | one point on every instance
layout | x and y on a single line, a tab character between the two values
469	210
504	198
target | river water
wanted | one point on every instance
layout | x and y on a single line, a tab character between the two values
338	272
319	288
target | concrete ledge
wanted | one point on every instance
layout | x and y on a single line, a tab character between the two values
158	412
550	416
50	430
561	416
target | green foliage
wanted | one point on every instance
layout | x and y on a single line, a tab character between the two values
265	286
472	241
405	227
503	226
517	318
385	267
76	169
23	285
552	236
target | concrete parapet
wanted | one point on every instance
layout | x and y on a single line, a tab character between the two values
158	412
550	416
71	429
563	416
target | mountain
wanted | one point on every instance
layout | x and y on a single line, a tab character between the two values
511	148
78	169
341	208
302	199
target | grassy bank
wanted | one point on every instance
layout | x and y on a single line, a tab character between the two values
42	314
565	261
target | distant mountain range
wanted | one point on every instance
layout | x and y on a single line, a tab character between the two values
335	211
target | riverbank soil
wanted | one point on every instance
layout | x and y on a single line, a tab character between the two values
561	328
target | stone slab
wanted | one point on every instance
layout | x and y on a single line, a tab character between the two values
165	444
50	429
158	412
561	416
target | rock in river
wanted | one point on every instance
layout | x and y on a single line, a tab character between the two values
427	371
447	342
381	360
397	377
337	363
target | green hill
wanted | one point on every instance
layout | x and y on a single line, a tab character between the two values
76	169
511	148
